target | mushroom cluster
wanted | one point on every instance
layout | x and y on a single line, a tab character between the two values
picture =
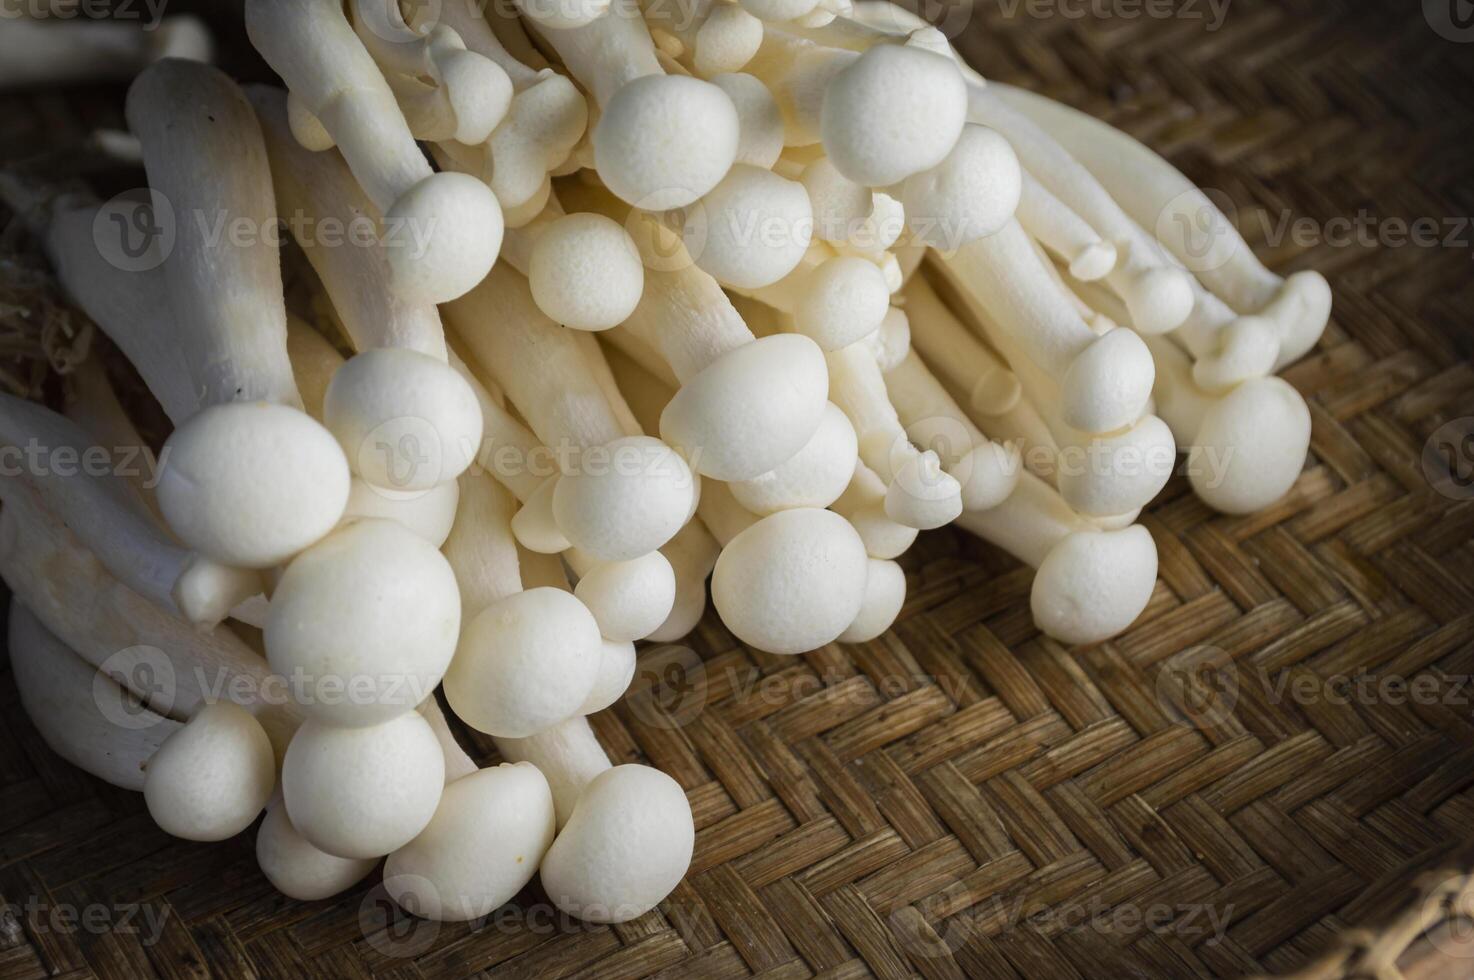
749	292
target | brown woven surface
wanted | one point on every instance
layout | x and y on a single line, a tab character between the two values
1207	795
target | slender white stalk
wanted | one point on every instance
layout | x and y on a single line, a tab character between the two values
35	52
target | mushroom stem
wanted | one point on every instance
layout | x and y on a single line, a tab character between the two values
569	756
1063	232
204	153
78	711
111	519
1186	220
37	52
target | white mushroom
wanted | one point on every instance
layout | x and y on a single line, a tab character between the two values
76	710
1090	584
212	778
249	480
364	624
585	272
363	792
1188	223
751	229
484	843
298	869
627	844
312	46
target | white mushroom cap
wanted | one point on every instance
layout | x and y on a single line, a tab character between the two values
211	778
406	420
844	299
792	582
1094	584
885	594
839	204
971	194
367	619
429	513
923	495
664	141
616	669
759	120
1108	385
363	792
751	409
525	663
296	868
629	599
441	236
752	229
534	525
1248	347
630	502
892	112
1250	446
815	476
1120	472
626	846
484	844
727	40
1159	299
251	483
479	90
1309	294
988	474
585	272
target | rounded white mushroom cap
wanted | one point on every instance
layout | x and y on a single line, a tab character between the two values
1250	446
624	499
750	410
525	663
726	41
751	229
885	594
363	792
883	537
1120	472
406	420
626	846
252	483
759	120
585	272
211	778
665	141
296	868
480	93
442	236
485	843
815	476
428	513
1159	299
1248	347
792	582
631	598
1108	385
534	525
616	669
988	475
1309	294
1094	584
923	495
892	112
844	299
364	623
971	194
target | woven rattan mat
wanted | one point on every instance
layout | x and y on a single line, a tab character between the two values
1270	772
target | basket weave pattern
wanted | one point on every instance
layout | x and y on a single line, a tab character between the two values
1270	773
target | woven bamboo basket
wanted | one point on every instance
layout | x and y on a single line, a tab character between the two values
1269	774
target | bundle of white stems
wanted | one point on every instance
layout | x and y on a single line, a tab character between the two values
755	291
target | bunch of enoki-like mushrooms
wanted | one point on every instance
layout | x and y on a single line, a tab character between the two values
752	290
